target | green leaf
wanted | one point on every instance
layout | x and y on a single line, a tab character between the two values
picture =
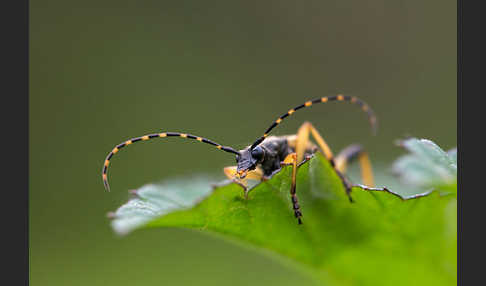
380	239
427	165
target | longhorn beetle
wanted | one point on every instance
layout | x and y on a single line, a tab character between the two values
268	154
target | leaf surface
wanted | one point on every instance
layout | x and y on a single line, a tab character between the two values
379	239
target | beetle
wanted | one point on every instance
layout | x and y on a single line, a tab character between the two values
267	154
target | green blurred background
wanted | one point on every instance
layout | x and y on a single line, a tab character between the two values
105	71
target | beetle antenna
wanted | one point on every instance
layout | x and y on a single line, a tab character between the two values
158	135
365	107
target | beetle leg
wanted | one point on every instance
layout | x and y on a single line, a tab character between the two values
351	153
293	195
289	160
302	142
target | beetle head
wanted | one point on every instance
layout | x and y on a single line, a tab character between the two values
248	159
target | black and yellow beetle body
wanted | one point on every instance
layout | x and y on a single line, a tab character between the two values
268	154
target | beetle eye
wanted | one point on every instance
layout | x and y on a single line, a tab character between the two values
257	153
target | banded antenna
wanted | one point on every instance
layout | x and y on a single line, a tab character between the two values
158	135
352	99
